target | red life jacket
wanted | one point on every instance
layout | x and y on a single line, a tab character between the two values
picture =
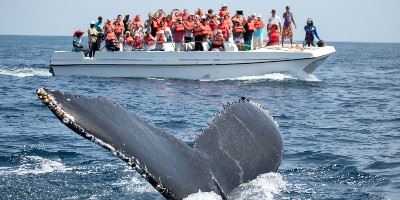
118	29
129	40
110	36
189	25
274	36
149	40
207	30
251	25
138	42
218	40
259	24
238	29
198	30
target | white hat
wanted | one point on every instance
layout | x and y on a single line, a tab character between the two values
259	16
254	14
92	22
224	5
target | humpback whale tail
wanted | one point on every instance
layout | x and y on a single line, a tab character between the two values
240	143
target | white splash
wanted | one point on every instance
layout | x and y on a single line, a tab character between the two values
24	72
35	165
272	76
135	184
311	78
204	196
265	186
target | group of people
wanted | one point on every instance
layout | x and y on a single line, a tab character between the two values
197	31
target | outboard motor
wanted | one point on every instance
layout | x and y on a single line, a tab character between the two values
321	43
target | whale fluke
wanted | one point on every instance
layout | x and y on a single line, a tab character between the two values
240	143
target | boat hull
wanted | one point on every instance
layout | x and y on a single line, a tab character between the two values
188	65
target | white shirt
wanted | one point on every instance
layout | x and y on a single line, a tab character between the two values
274	20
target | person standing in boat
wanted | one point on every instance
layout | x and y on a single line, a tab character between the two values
198	35
126	23
92	39
258	38
178	33
99	24
189	24
274	24
311	31
287	32
249	30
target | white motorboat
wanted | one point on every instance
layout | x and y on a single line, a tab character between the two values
194	65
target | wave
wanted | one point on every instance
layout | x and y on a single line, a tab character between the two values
24	71
265	186
35	165
272	76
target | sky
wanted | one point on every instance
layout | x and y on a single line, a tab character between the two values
336	20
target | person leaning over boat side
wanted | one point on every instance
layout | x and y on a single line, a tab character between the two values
111	41
108	26
128	42
92	39
274	20
178	32
249	27
311	31
218	41
138	42
149	42
161	38
259	33
287	31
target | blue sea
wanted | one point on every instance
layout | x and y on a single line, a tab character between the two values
341	128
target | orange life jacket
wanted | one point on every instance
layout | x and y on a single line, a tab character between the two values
213	25
111	36
259	24
218	40
189	25
149	40
118	29
108	27
251	25
154	23
238	29
138	42
207	30
179	27
198	30
129	40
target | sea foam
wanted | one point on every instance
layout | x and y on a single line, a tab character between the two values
35	165
265	186
24	72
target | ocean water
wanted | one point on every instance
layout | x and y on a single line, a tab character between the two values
341	128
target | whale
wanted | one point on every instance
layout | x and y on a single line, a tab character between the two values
241	142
